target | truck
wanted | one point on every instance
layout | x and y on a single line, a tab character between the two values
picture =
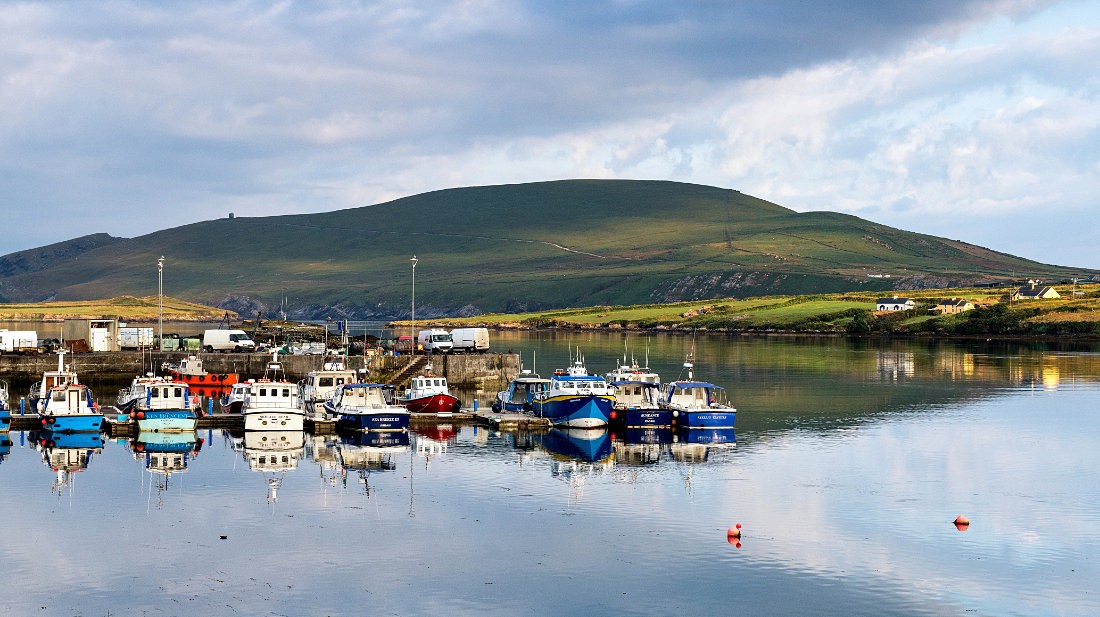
18	341
434	341
227	340
469	340
135	338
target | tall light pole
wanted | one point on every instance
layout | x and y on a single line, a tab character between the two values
412	320
160	303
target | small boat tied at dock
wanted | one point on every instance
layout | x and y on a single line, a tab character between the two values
637	391
318	386
367	407
5	409
520	392
158	404
429	394
271	403
697	404
189	370
575	399
64	404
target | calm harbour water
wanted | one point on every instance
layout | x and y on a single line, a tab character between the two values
851	461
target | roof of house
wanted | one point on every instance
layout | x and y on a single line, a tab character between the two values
954	302
1033	292
894	300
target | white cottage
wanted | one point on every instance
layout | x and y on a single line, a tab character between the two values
894	304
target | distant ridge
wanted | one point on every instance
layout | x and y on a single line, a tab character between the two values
512	248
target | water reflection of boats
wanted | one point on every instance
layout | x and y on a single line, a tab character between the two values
371	450
164	454
584	445
695	446
714	437
641	446
67	453
273	453
5	446
158	404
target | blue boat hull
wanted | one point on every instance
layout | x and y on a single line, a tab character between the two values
705	418
575	411
166	420
585	446
74	423
641	418
389	421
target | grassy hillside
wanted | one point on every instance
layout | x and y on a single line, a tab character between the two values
846	313
128	308
520	247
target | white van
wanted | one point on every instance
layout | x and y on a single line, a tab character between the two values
18	341
470	339
227	340
434	341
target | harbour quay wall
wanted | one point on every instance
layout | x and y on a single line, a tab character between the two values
489	370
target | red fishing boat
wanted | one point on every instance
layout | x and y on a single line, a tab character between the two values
190	371
429	394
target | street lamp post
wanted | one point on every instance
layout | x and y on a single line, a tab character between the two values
412	316
160	303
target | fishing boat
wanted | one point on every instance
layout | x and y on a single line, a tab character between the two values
318	386
637	391
367	407
428	394
575	399
271	403
62	376
159	404
233	400
189	370
5	410
697	404
64	404
517	396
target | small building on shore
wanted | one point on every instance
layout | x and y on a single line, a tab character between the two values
1034	291
895	304
953	306
91	334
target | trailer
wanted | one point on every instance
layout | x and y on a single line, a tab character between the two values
18	341
135	338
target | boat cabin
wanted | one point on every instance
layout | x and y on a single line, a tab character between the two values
695	394
523	388
363	396
269	394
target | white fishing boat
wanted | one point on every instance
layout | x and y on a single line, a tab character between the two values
318	386
272	403
159	404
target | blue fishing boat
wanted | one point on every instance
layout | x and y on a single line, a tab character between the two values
637	392
70	408
520	391
697	404
5	412
367	407
159	404
575	399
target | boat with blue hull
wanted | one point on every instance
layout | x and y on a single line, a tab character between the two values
521	390
71	408
575	399
5	411
367	407
697	404
159	404
637	392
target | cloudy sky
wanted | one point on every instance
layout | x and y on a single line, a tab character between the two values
971	119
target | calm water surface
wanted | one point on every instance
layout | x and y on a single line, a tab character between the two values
850	462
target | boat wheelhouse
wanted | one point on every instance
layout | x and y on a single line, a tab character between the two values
189	370
70	408
429	394
521	390
575	399
367	407
318	386
159	404
64	375
272	403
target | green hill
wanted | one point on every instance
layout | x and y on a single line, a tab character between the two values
514	248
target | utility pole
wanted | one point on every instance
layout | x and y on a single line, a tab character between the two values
412	316
160	302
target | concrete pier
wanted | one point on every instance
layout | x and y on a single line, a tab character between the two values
486	371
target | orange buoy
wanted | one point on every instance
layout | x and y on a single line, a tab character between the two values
962	522
734	532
